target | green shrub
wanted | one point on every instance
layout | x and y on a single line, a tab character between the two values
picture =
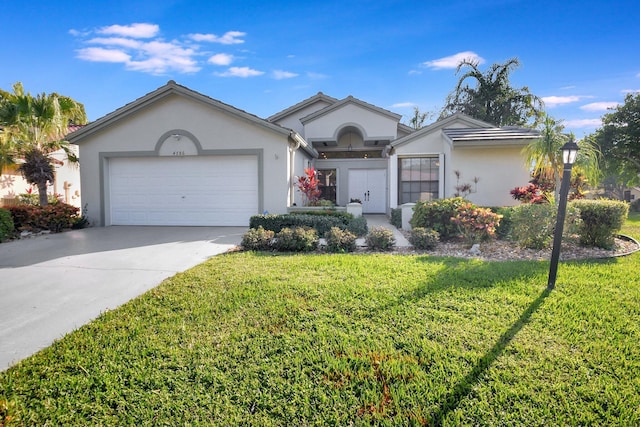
396	217
533	224
423	238
358	226
437	215
33	199
476	224
503	230
635	206
298	239
257	239
380	239
340	240
601	220
6	225
322	222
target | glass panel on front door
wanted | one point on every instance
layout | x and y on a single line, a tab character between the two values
327	184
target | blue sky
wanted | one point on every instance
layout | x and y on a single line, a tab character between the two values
263	56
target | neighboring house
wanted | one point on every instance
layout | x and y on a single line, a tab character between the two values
66	184
177	157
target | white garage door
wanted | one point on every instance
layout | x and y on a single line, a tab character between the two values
205	190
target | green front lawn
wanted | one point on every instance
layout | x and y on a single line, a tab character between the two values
254	339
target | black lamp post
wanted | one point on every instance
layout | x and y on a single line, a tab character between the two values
569	153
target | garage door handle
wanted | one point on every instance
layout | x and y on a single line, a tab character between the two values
184	197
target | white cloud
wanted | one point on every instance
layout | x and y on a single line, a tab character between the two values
221	59
630	91
281	75
403	105
453	61
414	72
139	48
230	37
554	101
99	54
116	41
582	123
240	72
599	106
140	31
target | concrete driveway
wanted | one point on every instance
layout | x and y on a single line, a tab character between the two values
53	284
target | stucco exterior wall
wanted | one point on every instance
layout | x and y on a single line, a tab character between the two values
218	132
375	126
498	170
12	184
293	121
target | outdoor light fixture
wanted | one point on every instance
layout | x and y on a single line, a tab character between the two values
569	153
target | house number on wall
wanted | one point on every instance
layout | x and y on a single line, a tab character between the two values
178	153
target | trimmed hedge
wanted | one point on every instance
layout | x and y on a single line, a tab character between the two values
423	238
601	220
380	239
6	225
258	239
340	240
322	221
298	239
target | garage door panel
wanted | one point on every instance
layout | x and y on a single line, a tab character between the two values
206	190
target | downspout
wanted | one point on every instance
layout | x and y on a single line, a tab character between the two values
292	152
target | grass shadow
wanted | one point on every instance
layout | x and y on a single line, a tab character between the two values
465	385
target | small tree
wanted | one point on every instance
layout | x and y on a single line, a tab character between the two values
308	186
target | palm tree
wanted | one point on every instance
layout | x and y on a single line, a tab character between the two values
493	100
545	156
34	127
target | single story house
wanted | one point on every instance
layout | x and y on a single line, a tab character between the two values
178	157
65	186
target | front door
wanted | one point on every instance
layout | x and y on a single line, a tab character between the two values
369	186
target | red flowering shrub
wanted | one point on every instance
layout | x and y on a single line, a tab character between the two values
308	185
55	217
476	224
530	193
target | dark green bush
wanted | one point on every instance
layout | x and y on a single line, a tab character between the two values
6	225
503	231
298	239
345	216
257	239
322	223
437	215
380	239
340	240
423	238
533	224
601	220
396	217
358	226
635	206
